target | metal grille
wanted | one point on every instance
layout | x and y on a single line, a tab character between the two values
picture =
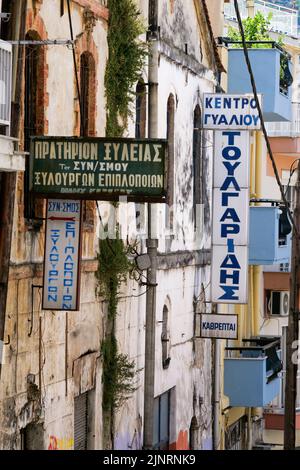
5	83
81	421
235	435
284	20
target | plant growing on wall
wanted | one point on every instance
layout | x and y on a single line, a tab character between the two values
114	267
126	59
127	55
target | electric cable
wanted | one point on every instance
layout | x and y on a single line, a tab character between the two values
253	84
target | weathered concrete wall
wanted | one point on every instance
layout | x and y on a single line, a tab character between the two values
180	282
38	380
181	279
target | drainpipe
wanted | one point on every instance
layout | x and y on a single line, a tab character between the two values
152	241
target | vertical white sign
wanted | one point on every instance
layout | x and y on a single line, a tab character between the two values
62	255
230	217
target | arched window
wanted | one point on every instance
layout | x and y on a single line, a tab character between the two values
34	114
165	338
34	99
88	95
194	431
88	118
140	108
171	158
140	133
197	163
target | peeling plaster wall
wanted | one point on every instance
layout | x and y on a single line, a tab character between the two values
51	402
188	90
179	26
189	372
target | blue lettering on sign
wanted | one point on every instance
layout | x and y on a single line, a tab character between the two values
216	106
62	272
221	326
230	223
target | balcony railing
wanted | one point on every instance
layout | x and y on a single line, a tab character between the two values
286	129
284	20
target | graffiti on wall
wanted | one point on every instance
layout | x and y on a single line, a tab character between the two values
60	444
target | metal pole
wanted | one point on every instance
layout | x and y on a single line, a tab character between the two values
217	352
293	332
152	242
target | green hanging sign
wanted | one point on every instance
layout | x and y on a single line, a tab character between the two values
98	168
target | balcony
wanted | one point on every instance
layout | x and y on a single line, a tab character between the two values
284	20
271	81
251	373
10	157
269	236
286	129
5	86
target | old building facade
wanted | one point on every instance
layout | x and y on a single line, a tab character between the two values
51	377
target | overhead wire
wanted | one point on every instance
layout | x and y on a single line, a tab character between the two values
259	109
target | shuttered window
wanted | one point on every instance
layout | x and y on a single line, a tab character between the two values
161	425
81	421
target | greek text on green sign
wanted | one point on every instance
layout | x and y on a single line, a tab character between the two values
96	168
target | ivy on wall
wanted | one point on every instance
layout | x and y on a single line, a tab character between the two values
114	267
126	60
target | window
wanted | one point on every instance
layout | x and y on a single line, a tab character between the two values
140	133
34	114
165	339
81	422
194	432
32	437
62	7
140	108
87	93
33	105
88	118
171	157
161	425
197	163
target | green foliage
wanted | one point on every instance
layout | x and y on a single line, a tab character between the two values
118	375
118	372
256	29
126	60
113	268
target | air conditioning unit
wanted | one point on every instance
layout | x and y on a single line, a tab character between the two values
279	303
